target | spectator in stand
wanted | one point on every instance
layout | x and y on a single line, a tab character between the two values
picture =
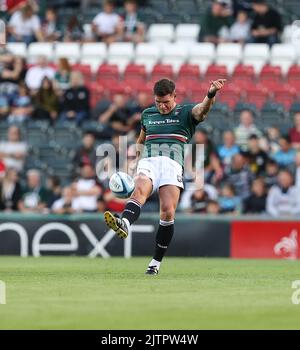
271	173
86	154
10	191
270	143
294	133
199	201
117	115
13	151
24	26
239	176
131	28
51	29
239	32
46	102
213	208
216	22
257	158
86	191
54	189
76	100
246	129
284	198
256	202
285	157
12	73
228	149
37	73
64	205
34	195
106	25
143	101
74	31
228	201
22	107
62	76
266	25
4	107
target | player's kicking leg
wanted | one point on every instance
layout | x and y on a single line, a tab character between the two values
143	189
169	197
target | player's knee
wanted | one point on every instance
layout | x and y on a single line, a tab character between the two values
167	213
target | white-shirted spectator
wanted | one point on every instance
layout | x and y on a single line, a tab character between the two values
37	73
24	26
13	151
86	191
240	30
65	204
284	198
246	129
106	25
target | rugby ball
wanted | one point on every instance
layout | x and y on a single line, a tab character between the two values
121	184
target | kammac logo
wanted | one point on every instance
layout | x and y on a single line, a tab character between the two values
287	247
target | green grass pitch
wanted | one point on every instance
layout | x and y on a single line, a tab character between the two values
83	293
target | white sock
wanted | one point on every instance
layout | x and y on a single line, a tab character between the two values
156	263
127	223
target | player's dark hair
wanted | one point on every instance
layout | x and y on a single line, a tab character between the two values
164	87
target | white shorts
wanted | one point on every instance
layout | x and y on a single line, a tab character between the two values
162	171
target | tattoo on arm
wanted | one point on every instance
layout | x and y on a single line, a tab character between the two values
200	111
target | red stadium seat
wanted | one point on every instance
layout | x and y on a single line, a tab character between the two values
162	71
293	76
190	71
230	95
243	72
257	95
135	70
96	93
216	72
270	73
108	71
284	94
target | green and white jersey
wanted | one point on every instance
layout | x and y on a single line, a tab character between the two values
166	134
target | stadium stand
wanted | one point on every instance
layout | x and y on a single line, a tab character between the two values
263	79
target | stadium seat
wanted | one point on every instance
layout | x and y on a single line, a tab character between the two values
120	54
108	71
257	95
135	71
283	55
215	71
229	54
175	55
18	49
293	76
270	75
202	54
93	54
40	49
256	55
230	95
161	32
147	54
71	51
187	32
162	71
243	72
189	71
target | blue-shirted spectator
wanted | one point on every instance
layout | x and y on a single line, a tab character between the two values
229	148
228	200
285	157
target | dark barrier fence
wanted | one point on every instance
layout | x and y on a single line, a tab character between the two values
195	235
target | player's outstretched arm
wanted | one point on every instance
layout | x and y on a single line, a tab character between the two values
200	111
